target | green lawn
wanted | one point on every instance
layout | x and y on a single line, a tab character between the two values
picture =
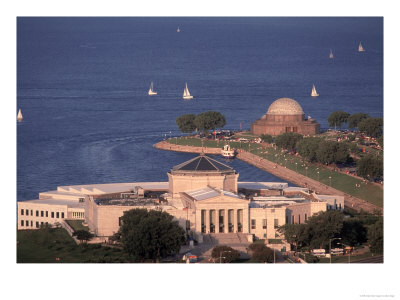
344	258
45	245
345	183
77	225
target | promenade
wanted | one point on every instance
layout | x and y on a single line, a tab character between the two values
281	172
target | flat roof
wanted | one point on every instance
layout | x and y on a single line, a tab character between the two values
208	192
67	202
263	185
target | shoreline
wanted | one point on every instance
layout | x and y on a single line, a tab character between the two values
279	171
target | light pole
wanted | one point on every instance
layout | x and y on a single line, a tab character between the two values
296	167
330	180
330	253
306	171
318	175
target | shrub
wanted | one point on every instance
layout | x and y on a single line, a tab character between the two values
261	253
228	254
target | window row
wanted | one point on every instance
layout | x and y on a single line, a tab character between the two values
42	213
264	223
26	223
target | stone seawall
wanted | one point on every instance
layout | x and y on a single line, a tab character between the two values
279	171
189	149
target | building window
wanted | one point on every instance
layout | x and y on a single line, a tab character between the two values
47	213
37	213
42	213
37	224
340	206
57	215
120	222
22	212
22	222
62	215
253	224
264	223
187	225
31	223
305	217
265	235
81	200
27	212
292	219
287	219
31	212
41	223
276	224
52	214
27	223
299	219
272	210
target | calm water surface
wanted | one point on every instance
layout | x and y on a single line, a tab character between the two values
82	85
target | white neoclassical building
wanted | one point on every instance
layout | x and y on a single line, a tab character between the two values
202	194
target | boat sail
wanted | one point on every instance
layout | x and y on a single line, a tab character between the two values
186	94
314	92
19	116
331	54
178	30
151	90
360	48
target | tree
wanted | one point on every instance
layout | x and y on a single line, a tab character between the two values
353	232
267	138
332	152
150	234
372	127
261	253
288	140
322	227
370	166
308	147
337	118
82	235
225	253
294	234
375	237
209	120
354	119
186	123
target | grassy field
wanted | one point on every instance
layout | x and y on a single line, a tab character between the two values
345	183
77	225
46	245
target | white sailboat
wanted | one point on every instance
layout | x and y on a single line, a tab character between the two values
19	116
360	48
331	54
186	94
314	92
151	90
178	30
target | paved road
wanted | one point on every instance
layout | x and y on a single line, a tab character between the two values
369	260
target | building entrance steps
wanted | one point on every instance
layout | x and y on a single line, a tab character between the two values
226	238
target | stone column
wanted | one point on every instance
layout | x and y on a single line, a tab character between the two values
246	221
235	220
207	221
226	223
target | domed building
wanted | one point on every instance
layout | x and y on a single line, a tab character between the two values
285	115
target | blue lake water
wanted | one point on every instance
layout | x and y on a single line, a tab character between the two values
82	86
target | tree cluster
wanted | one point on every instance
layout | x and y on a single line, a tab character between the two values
317	231
287	140
82	235
363	122
370	166
267	138
261	253
319	150
206	121
225	254
150	235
